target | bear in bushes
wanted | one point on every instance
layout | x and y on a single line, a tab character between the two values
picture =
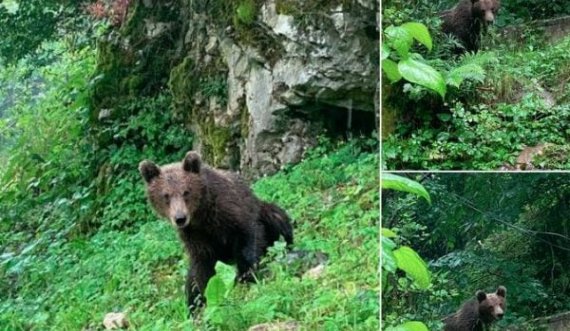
478	313
217	217
467	20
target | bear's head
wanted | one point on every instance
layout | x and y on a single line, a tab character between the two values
174	190
492	306
486	10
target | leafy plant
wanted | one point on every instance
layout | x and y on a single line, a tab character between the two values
217	290
403	258
413	68
245	12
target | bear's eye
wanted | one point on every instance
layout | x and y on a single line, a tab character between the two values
166	197
186	194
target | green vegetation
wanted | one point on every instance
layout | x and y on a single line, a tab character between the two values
402	258
511	95
78	240
57	281
479	232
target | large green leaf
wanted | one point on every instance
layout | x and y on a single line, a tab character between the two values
215	291
385	51
422	74
419	32
388	233
399	183
409	261
389	262
227	273
390	68
409	326
400	40
219	285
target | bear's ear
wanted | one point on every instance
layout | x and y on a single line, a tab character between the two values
481	296
192	162
148	170
502	291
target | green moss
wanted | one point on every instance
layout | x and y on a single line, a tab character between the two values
127	62
183	82
111	68
245	12
215	141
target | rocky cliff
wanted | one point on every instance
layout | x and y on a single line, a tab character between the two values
255	80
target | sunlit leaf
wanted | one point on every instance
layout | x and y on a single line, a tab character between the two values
419	32
422	74
399	183
409	326
400	39
388	233
215	291
390	68
385	51
409	261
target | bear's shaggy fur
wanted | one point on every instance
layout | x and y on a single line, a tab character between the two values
217	216
478	313
466	20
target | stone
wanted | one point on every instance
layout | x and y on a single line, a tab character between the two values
280	326
315	273
113	321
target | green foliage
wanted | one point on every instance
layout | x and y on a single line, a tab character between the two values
245	12
42	180
512	11
218	289
413	68
409	326
137	264
517	11
477	241
403	258
399	183
488	124
409	261
496	103
25	25
401	39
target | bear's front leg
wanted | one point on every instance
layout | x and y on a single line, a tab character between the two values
197	279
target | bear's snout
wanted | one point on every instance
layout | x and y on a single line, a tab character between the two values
500	316
180	220
489	17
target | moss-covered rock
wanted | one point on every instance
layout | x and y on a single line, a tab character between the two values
133	61
252	79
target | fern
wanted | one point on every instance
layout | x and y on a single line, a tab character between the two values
469	71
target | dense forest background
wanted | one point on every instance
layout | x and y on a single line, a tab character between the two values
90	88
499	104
481	231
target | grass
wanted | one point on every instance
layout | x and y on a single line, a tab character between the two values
59	282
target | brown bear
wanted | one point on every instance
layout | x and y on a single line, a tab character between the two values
478	313
217	216
466	20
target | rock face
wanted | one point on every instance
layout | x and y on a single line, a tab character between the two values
258	81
